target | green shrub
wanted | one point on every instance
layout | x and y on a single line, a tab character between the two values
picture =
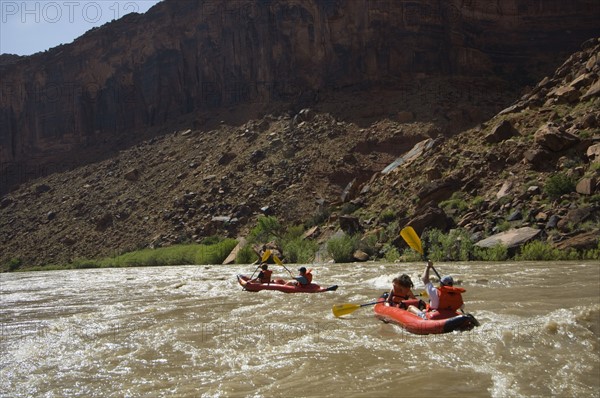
503	226
211	240
341	249
592	254
454	204
301	251
390	232
496	253
14	264
188	254
368	244
392	254
454	246
387	216
348	208
477	201
245	256
320	216
411	256
559	184
267	229
542	251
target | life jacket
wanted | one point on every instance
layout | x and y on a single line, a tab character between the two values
404	304
265	276
308	276
397	298
450	298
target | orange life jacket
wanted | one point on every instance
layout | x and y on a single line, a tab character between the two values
308	276
398	298
265	276
450	298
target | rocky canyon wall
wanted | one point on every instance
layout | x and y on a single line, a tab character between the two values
192	56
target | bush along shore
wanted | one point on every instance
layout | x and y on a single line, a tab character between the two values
294	245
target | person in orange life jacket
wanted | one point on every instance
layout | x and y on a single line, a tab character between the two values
264	276
445	297
401	290
303	279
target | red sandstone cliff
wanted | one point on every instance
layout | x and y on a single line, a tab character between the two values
189	57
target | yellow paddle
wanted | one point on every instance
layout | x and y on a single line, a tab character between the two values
412	239
265	256
279	262
348	308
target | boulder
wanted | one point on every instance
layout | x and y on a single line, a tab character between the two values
593	153
431	218
349	224
511	239
360	255
574	217
540	159
553	139
437	191
566	95
586	186
593	91
504	190
231	257
584	241
501	132
132	175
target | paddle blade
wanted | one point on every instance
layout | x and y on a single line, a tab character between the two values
344	309
265	256
412	239
277	260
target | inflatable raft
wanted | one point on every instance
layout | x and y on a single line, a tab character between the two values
436	322
244	281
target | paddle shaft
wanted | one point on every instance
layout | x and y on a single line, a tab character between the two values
255	271
436	273
278	261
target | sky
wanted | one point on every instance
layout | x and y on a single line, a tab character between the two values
30	26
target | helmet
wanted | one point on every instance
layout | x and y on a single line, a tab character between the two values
447	280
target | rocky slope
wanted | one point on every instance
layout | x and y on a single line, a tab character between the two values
195	183
184	60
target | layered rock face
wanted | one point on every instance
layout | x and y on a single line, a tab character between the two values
192	56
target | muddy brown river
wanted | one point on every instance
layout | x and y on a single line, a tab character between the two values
193	332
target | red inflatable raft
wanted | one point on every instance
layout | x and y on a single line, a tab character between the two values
436	322
243	280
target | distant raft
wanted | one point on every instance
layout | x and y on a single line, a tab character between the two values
437	321
245	282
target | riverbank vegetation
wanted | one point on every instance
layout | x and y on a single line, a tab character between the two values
438	246
455	245
212	252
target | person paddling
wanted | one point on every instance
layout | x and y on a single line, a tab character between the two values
304	279
264	276
444	298
401	290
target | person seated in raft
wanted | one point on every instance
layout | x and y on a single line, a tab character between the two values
401	290
264	276
444	298
304	279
